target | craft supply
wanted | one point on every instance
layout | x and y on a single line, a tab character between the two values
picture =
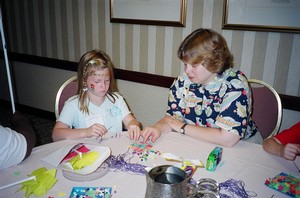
45	179
95	192
143	150
188	165
172	157
207	188
189	169
18	182
214	159
235	188
79	148
98	173
228	189
296	166
118	163
100	137
285	183
82	160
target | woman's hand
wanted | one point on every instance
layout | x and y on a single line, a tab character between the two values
174	123
150	133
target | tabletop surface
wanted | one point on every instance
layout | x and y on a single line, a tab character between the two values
246	162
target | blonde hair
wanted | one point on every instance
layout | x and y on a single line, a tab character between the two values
207	47
88	63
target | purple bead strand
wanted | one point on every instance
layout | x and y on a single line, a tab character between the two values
118	163
235	187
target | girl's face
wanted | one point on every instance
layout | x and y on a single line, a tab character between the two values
98	82
198	74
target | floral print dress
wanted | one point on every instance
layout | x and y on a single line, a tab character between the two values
223	103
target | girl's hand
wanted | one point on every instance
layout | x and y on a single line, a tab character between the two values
134	132
96	130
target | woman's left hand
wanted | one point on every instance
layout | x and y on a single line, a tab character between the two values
174	123
134	132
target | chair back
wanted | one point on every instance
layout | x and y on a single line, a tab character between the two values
267	108
67	90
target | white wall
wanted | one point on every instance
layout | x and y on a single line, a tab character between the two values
289	118
148	103
34	85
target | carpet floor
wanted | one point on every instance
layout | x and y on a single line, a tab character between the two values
43	127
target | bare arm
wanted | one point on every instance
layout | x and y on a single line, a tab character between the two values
288	151
154	132
212	135
218	136
62	131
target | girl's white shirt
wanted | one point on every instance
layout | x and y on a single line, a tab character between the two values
108	113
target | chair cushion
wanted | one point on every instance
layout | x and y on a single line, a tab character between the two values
265	110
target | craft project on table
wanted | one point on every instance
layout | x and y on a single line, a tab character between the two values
82	159
188	165
143	150
45	179
285	183
87	192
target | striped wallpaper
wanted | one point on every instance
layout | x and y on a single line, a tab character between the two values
65	29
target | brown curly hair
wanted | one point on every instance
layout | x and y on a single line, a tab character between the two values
207	47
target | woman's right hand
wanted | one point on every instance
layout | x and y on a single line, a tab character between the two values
96	130
150	133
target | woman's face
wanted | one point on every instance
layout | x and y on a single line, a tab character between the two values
98	82
198	73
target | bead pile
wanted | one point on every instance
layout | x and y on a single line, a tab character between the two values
144	151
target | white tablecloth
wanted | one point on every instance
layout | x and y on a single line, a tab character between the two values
245	161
